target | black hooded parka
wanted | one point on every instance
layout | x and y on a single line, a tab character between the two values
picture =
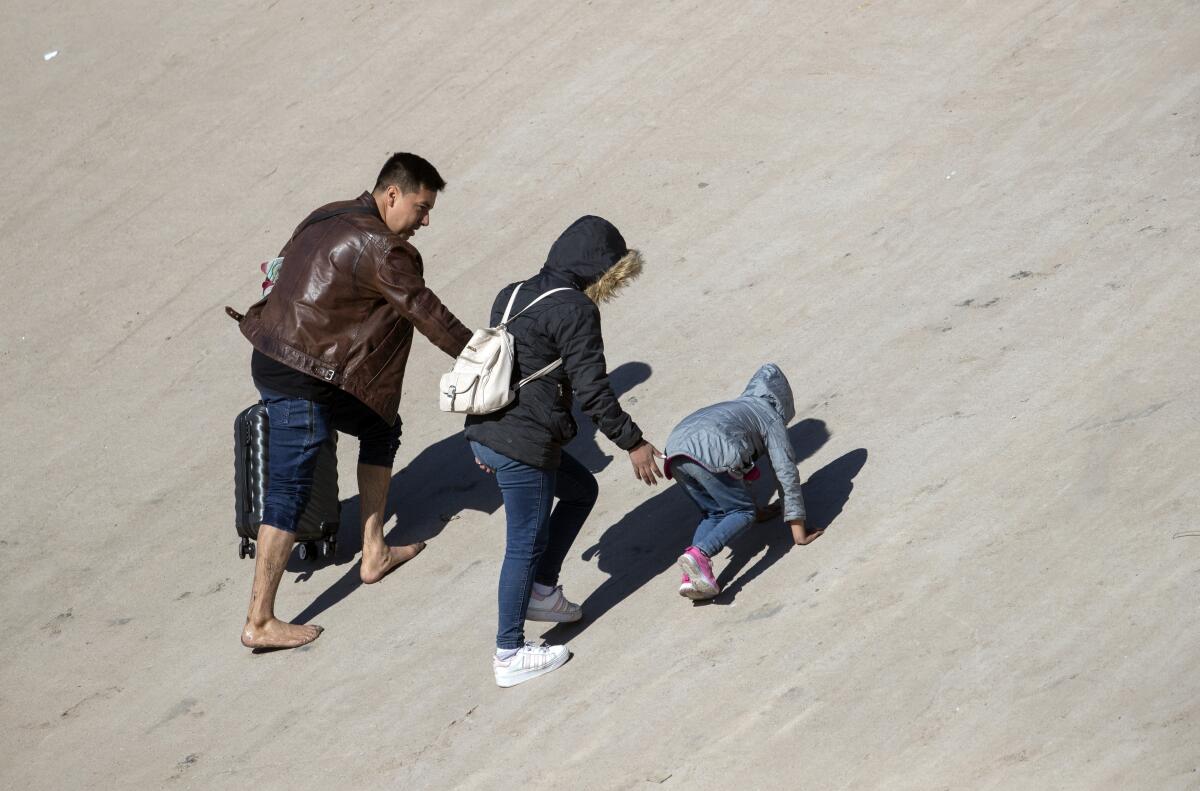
536	425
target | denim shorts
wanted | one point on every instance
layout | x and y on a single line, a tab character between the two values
298	429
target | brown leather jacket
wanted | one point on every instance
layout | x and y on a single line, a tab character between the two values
344	307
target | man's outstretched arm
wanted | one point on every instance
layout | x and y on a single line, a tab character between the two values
401	282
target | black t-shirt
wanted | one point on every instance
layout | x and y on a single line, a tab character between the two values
281	378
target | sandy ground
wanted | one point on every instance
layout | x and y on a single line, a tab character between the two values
966	230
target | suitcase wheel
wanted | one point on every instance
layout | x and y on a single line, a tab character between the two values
246	550
308	551
329	548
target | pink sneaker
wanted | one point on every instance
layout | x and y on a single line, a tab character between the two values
685	587
697	566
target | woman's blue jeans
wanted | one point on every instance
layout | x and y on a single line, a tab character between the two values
725	501
539	536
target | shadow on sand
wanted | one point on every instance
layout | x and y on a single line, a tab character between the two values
825	495
646	542
585	447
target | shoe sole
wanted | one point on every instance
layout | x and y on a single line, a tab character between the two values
529	675
547	616
687	591
701	588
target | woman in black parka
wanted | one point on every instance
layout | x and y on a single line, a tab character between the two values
523	443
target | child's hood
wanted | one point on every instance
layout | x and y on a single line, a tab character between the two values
770	383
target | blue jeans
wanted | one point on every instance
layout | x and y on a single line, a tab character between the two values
725	501
538	538
297	430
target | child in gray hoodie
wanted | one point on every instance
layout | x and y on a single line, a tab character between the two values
712	453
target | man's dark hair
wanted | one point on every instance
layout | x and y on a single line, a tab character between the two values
409	173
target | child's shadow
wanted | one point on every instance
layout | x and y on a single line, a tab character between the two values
648	540
825	495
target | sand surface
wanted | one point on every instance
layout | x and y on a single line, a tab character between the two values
967	231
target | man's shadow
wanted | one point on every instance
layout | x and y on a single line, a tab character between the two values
431	491
434	489
648	540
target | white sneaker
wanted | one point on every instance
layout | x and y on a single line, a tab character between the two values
552	607
530	661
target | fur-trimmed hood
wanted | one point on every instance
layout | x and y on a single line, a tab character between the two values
592	256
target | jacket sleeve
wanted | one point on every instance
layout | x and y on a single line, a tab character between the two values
576	333
783	460
400	280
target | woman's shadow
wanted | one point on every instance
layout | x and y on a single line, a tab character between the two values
584	447
433	490
646	542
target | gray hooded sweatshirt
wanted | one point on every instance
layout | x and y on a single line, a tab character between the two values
732	435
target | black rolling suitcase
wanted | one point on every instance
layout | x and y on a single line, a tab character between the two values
321	517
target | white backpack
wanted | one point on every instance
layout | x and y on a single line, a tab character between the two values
481	379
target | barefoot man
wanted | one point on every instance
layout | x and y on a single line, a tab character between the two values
330	345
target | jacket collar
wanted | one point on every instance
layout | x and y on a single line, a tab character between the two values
367	199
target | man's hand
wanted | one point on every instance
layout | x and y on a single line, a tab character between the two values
645	468
484	467
800	533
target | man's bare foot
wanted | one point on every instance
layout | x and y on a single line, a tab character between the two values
373	569
277	634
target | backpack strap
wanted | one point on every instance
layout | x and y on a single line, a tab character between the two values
511	300
505	319
538	374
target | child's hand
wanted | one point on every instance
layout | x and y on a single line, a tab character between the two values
800	533
484	467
